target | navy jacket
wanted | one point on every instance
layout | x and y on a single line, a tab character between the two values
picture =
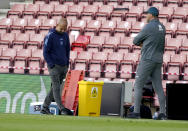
56	48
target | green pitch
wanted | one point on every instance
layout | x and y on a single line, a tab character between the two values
18	122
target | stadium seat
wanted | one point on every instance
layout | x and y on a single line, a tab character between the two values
110	69
5	64
115	56
81	43
174	3
69	2
102	56
89	12
182	31
35	41
184	47
158	3
107	28
46	25
20	41
78	25
165	14
96	64
6	40
16	11
134	13
23	53
81	65
122	28
127	66
119	15
37	53
30	11
84	2
92	27
33	26
95	68
82	60
20	64
104	12
45	11
172	45
5	24
180	15
133	57
171	28
137	27
174	67
98	2
74	12
110	44
34	65
9	52
128	3
18	25
126	44
96	43
143	3
85	55
115	3
59	11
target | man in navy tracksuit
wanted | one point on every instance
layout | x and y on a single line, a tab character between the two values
152	40
56	53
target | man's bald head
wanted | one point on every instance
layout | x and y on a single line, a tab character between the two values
62	25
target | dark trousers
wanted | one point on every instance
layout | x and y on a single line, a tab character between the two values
57	74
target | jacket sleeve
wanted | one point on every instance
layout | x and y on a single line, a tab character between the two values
46	50
139	39
68	49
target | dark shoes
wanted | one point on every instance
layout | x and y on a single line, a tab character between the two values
133	115
66	111
46	111
161	116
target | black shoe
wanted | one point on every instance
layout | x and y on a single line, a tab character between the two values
66	111
133	115
46	111
161	116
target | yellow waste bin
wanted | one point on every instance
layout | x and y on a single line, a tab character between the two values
90	94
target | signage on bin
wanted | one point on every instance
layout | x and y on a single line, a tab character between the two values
94	92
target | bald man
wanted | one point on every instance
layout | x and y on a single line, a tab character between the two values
56	53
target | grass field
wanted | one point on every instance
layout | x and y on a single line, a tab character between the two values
18	122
